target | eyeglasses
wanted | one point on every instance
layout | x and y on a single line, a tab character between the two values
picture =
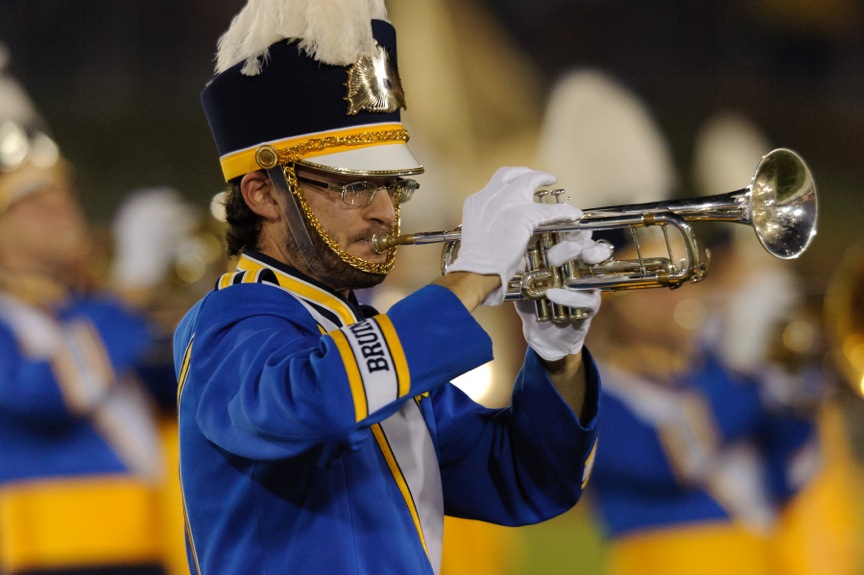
363	193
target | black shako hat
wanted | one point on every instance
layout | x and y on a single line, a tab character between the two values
335	109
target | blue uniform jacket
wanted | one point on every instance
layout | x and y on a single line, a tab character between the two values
45	430
314	440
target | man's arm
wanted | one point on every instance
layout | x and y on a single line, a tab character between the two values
568	377
470	288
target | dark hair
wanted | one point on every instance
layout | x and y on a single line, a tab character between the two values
244	226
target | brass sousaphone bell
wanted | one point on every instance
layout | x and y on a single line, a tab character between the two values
780	205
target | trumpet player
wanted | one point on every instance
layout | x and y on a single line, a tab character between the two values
316	434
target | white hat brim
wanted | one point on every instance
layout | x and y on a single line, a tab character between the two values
381	160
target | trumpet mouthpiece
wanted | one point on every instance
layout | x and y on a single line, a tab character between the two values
380	244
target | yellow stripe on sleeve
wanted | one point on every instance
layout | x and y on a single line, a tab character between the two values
589	465
358	392
400	363
188	529
184	368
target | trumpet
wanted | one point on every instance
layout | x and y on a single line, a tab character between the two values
779	203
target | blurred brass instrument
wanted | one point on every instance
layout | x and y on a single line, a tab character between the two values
844	314
780	205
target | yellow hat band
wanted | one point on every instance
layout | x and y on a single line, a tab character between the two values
317	145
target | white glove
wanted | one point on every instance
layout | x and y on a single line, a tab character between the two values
553	341
498	222
578	245
148	229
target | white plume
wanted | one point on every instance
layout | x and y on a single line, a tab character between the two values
602	142
149	228
330	31
727	148
15	103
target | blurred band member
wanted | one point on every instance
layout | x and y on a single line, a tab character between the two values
79	452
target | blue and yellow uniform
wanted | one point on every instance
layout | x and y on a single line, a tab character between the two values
80	463
316	438
693	477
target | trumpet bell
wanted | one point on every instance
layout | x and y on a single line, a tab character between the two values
784	208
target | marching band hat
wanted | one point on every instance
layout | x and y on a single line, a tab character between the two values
317	82
29	159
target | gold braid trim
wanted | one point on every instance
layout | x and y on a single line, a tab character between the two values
268	156
299	151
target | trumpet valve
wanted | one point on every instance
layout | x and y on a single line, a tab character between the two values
560	195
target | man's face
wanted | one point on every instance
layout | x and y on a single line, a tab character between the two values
351	227
47	229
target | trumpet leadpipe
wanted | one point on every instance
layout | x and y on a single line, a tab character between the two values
591	221
381	244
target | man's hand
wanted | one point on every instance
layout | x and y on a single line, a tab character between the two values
555	341
498	222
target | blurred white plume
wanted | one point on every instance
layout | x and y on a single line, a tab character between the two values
603	144
15	103
726	151
149	229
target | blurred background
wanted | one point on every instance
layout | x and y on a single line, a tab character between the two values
118	82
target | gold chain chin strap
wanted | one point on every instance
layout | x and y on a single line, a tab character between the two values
353	261
268	156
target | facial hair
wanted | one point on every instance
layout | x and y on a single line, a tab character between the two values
332	266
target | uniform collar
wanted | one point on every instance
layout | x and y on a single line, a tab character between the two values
345	306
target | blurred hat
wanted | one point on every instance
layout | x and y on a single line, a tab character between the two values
29	158
726	150
315	79
602	142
